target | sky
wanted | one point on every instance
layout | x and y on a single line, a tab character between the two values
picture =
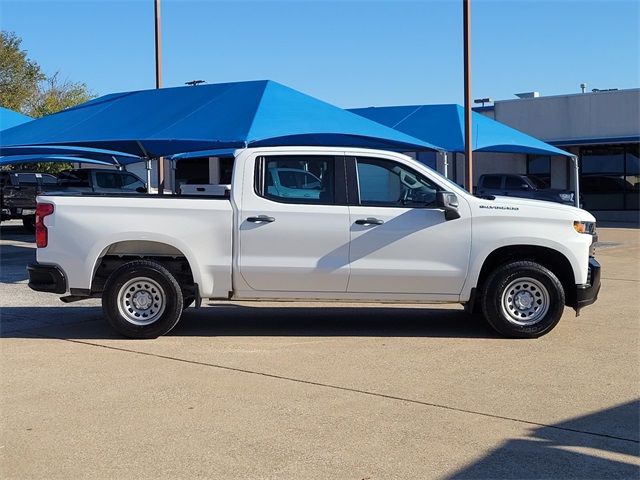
349	53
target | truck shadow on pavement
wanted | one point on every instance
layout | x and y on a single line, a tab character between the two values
15	257
75	322
603	444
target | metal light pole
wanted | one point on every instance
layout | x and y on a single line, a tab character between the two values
468	137
156	5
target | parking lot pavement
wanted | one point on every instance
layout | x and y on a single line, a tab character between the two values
295	391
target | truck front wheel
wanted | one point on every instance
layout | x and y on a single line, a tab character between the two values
142	299
523	300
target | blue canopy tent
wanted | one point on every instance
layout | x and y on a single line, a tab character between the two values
154	123
443	125
163	122
9	118
56	154
18	159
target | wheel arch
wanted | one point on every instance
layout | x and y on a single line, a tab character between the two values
549	258
116	253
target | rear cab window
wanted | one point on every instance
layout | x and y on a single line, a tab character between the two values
309	179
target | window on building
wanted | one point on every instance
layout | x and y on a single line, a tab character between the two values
602	180
540	167
632	177
430	159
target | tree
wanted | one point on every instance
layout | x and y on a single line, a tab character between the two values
54	95
19	76
26	89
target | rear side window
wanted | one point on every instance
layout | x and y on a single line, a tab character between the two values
296	178
26	179
492	181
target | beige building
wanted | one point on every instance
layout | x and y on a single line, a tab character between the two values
602	128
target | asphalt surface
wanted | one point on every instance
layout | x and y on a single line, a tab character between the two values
319	391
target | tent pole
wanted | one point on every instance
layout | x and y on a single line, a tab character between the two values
158	44
576	179
148	166
174	166
468	140
446	165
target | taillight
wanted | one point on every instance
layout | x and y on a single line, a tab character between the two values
42	234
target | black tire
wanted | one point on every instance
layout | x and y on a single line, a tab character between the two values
29	223
148	281
530	308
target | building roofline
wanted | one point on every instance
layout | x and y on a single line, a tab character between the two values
594	141
579	94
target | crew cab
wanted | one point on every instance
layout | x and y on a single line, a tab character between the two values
379	227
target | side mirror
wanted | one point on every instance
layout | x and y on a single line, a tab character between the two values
449	202
525	186
141	190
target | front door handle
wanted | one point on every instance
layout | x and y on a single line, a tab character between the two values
369	221
261	219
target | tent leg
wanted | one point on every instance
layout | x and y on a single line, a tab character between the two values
148	164
173	176
576	179
446	165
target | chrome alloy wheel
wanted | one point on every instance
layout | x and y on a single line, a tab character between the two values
141	301
525	301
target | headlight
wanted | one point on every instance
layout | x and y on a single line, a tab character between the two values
585	227
567	197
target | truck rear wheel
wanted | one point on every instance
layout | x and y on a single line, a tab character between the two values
142	299
523	300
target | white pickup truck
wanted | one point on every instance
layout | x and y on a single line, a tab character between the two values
309	223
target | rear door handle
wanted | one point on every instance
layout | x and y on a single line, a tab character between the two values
369	221
261	219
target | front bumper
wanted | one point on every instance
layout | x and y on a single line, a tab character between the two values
46	278
587	293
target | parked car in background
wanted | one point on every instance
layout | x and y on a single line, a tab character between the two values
18	191
100	181
523	186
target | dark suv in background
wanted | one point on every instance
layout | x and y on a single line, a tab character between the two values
524	186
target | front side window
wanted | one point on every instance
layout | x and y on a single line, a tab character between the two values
74	178
131	182
491	181
514	183
389	184
296	178
107	180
